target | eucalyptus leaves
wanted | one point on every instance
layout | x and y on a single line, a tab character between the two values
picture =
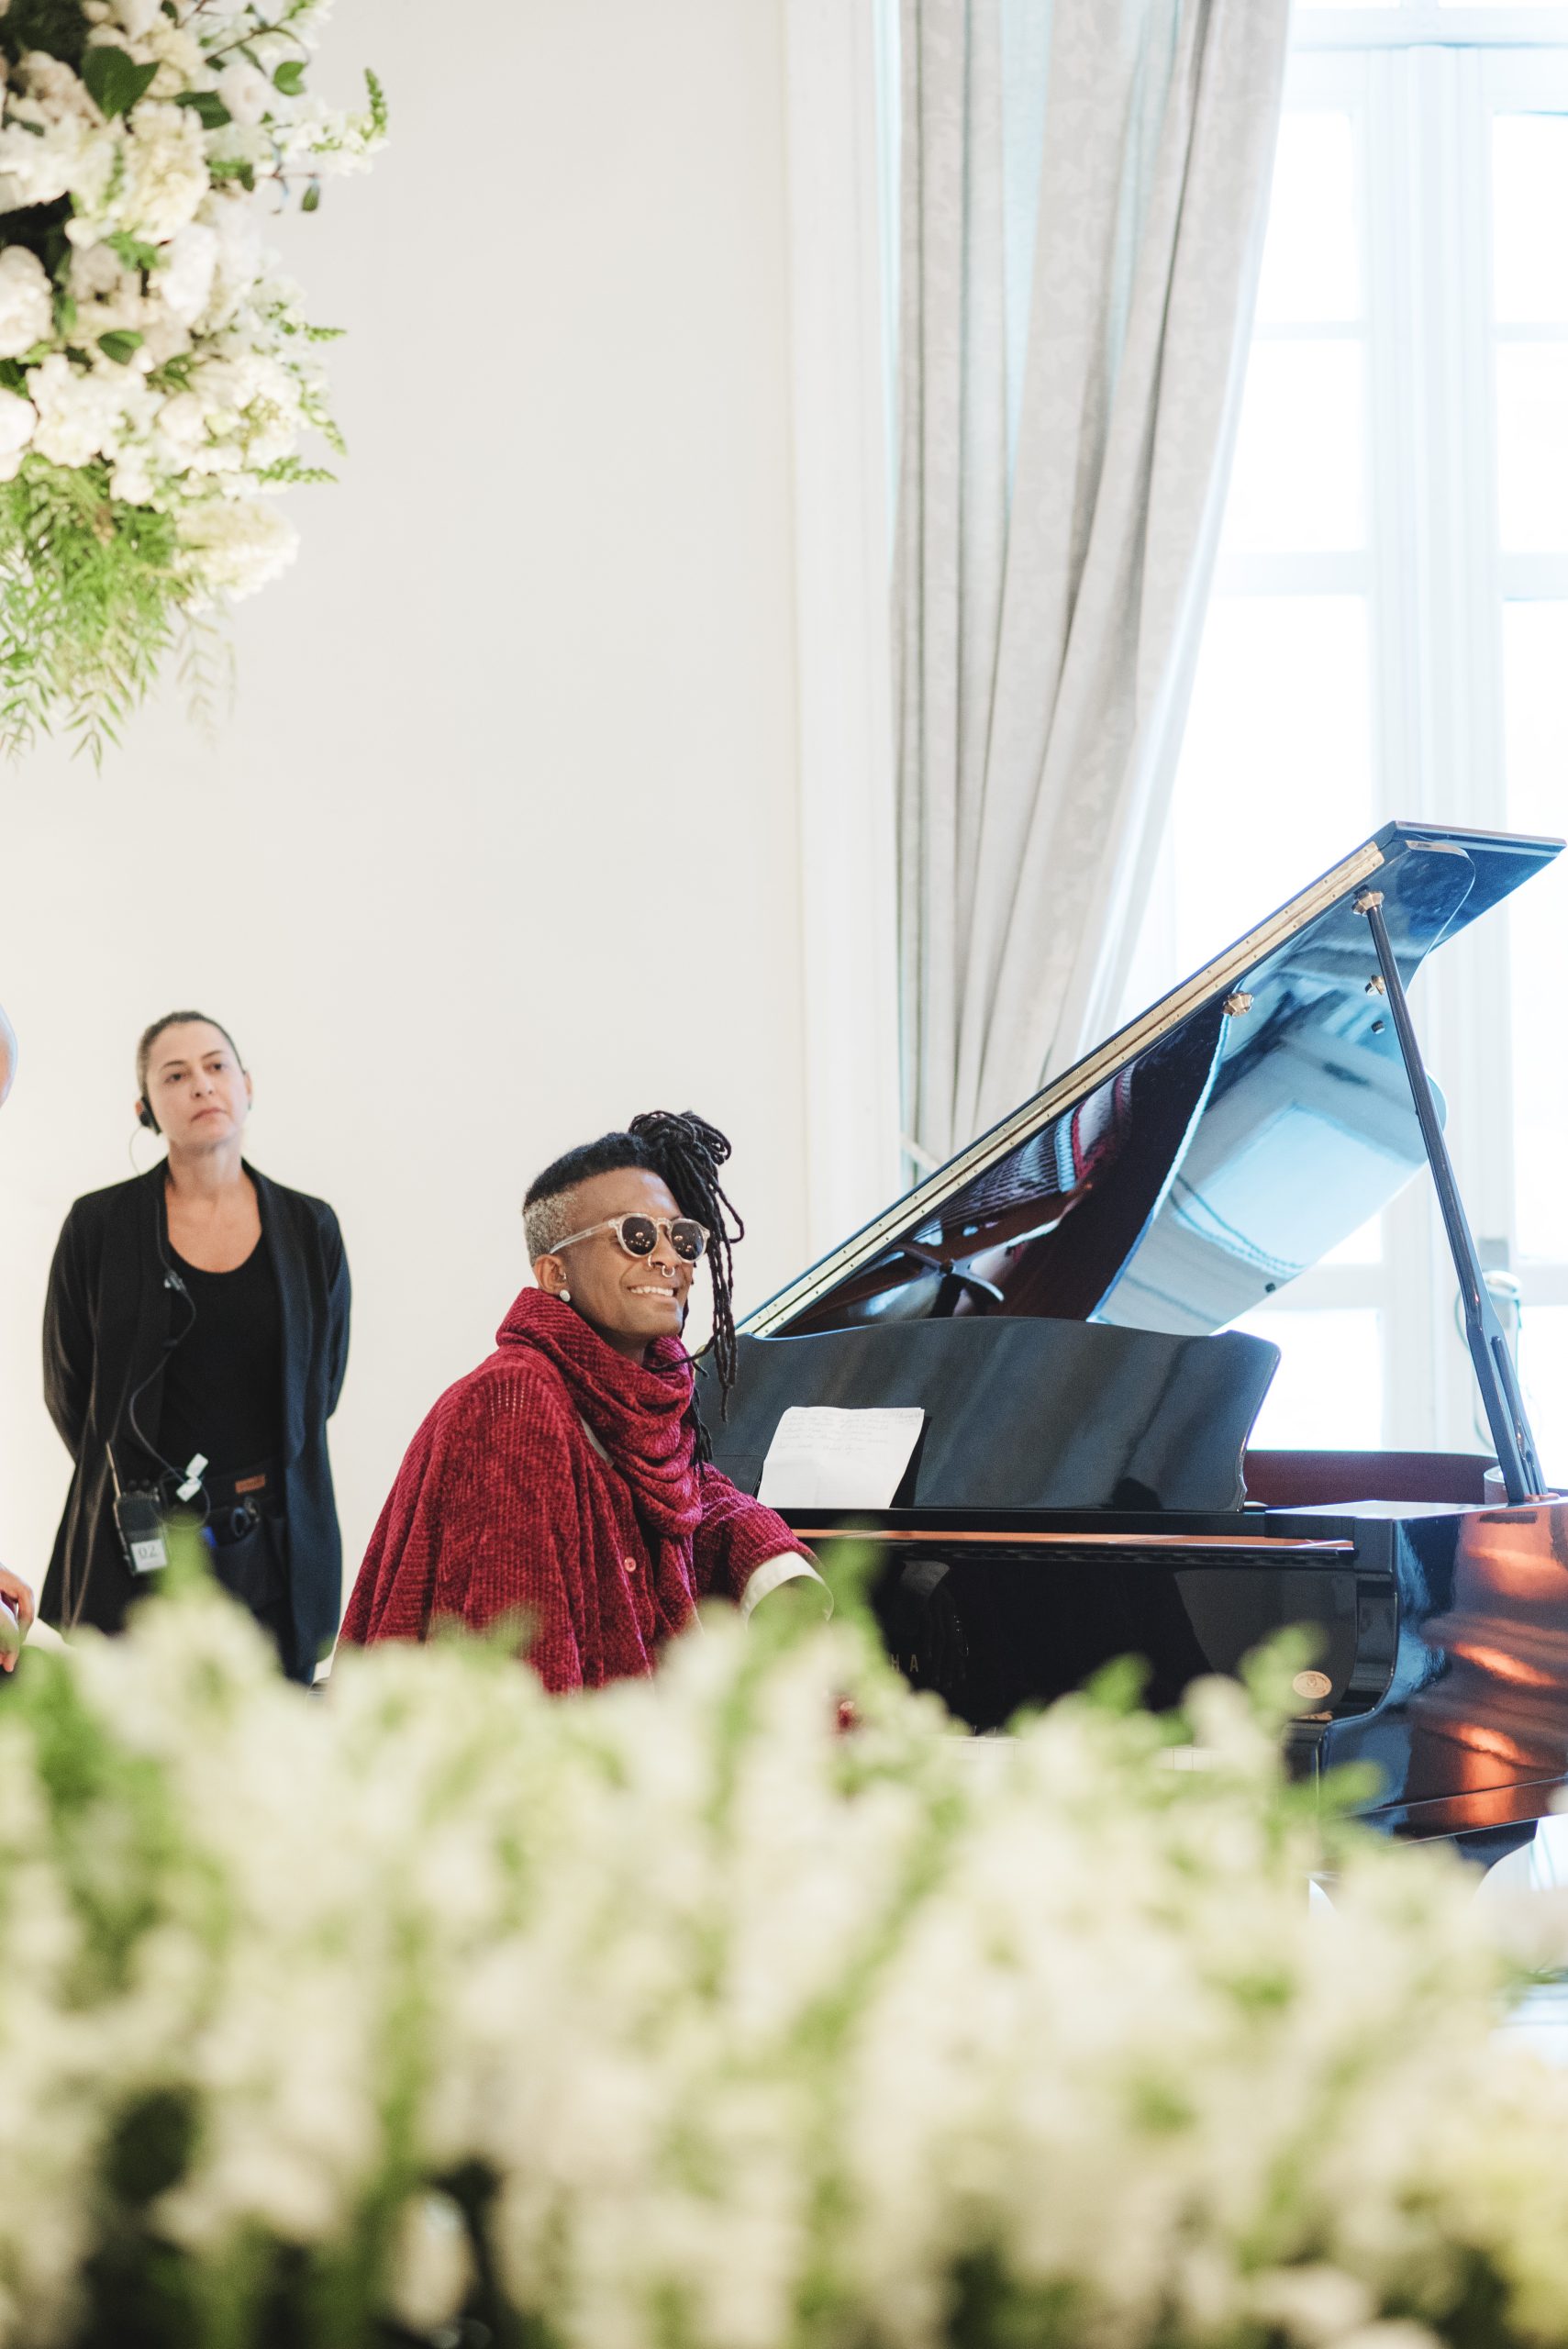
668	2017
157	376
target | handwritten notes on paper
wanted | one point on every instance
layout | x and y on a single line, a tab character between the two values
821	1457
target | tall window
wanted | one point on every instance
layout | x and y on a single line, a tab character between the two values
1388	636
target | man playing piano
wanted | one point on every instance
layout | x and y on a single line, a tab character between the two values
565	1481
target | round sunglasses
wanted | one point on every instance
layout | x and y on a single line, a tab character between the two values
639	1235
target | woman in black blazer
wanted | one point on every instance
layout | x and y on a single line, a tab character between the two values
195	1336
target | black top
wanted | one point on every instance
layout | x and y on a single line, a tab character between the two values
222	1383
104	1323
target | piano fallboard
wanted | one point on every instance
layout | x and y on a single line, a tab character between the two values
1442	1632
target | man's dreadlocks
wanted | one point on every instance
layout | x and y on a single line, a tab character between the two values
686	1153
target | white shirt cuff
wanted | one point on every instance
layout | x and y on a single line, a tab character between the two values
788	1566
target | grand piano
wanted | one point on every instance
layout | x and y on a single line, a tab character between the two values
1056	1299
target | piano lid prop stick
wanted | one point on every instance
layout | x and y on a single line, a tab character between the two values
1505	1414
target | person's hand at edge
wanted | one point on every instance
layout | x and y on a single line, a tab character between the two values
16	1615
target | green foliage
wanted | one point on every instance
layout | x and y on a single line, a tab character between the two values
151	2150
290	77
90	594
86	1777
57	27
114	80
1118	1688
294	473
214	113
121	345
175	373
130	250
989	2308
205	668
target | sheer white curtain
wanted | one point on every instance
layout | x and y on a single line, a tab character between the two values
1084	192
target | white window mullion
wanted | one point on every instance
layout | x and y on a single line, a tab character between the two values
1468	1005
1400	426
1400	518
1523	82
1423	24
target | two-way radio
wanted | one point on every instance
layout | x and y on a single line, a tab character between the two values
139	1509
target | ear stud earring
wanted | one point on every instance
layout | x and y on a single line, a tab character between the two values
564	1295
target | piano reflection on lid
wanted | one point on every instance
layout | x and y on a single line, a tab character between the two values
1056	1298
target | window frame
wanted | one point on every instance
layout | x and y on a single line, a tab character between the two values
1421	86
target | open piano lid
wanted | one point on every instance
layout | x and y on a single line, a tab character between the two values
1221	1143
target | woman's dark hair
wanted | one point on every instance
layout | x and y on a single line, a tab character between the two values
175	1020
686	1153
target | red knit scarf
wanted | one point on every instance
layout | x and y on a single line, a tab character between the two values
640	1414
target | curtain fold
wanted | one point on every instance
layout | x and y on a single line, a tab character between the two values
1061	479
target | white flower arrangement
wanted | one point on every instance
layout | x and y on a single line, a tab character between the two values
157	374
669	2018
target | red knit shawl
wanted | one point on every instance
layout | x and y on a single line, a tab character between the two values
503	1504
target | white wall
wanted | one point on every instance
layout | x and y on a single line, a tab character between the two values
502	843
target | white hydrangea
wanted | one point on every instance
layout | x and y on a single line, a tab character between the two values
79	413
241	259
190	264
237	546
51	134
163	336
26	303
19	418
246	91
45	90
97	273
164	173
132	480
177	55
135	18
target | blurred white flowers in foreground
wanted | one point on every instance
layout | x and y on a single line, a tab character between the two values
157	376
669	2018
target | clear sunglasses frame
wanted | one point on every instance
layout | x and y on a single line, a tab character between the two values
667	1224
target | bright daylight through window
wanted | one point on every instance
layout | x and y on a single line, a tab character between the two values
1388	636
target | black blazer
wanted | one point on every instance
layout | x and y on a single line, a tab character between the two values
105	1322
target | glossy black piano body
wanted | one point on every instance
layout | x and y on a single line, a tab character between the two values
1083	1492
